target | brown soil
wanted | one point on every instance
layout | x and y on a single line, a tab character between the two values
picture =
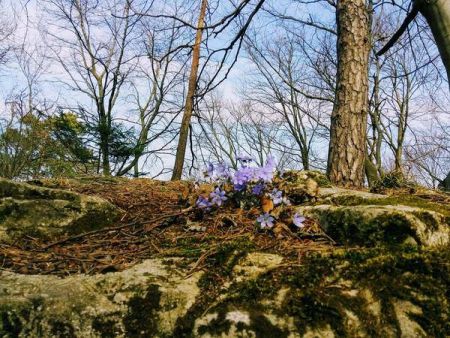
158	221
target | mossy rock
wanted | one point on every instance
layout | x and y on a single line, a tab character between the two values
302	186
393	180
49	213
367	293
342	196
371	225
68	183
355	293
143	301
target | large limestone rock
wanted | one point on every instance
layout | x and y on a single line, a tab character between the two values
49	213
140	302
302	186
367	293
371	225
370	286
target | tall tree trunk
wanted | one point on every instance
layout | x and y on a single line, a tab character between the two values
184	128
445	183
437	14
104	132
347	149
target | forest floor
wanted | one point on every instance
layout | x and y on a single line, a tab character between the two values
158	220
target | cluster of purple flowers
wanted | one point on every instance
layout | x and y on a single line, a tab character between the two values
217	172
247	179
217	197
246	174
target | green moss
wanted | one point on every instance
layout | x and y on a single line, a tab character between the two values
298	177
263	328
62	329
350	227
15	322
217	326
252	290
105	327
420	278
316	301
224	258
423	279
189	247
11	324
407	200
317	298
392	180
142	318
428	219
320	177
218	267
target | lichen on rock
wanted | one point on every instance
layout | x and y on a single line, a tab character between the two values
143	301
388	275
371	225
49	213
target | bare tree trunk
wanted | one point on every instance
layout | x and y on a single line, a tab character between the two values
437	14
445	184
104	131
184	129
347	149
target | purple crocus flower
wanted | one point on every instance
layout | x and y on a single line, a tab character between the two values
239	187
258	189
203	203
243	176
265	221
222	171
266	172
270	162
298	220
218	197
276	196
209	170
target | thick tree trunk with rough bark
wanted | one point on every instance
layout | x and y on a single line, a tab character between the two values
347	150
104	131
184	129
437	14
445	184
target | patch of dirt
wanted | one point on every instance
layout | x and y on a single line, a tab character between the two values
158	220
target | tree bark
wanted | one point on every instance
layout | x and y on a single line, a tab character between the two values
445	183
437	14
347	149
104	131
184	128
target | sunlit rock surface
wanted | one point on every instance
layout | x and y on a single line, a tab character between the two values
357	294
48	213
387	276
